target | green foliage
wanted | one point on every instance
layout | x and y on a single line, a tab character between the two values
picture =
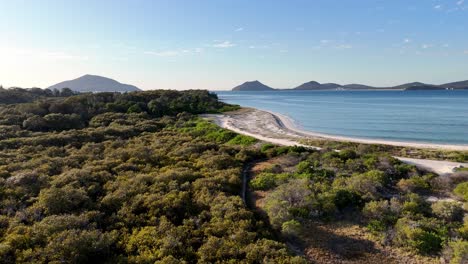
304	167
376	226
417	236
242	140
291	228
367	184
383	211
347	199
462	190
126	178
457	252
449	211
263	181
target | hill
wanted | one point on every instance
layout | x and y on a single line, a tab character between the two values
313	85
316	86
252	86
356	86
407	85
456	85
424	88
94	83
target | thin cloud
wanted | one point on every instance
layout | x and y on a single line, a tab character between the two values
344	46
407	40
224	44
45	54
437	6
465	52
173	53
167	53
62	56
426	46
239	29
461	2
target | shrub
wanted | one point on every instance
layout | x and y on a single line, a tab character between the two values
263	181
347	199
376	226
462	190
367	184
449	211
413	235
291	228
242	140
415	205
381	211
304	167
347	154
415	183
266	147
457	252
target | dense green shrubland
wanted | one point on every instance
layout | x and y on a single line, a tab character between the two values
126	178
370	189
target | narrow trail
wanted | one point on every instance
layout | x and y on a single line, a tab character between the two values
245	181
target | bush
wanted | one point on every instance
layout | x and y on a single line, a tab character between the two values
367	184
347	199
242	140
457	252
462	190
376	226
263	181
415	183
449	211
291	228
381	211
347	154
304	167
266	147
413	235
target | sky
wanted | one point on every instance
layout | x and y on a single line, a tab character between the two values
218	44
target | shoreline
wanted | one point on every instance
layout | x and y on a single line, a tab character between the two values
289	124
281	130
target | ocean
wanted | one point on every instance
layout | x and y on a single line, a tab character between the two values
414	116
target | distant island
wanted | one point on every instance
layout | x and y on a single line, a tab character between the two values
316	86
94	83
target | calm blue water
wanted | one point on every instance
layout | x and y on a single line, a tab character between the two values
415	116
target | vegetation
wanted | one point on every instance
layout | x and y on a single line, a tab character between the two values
364	188
127	178
18	95
458	156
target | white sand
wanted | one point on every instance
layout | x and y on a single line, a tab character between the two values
281	130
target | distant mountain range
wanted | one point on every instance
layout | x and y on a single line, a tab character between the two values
315	86
94	83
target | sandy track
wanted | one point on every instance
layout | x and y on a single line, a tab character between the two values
281	130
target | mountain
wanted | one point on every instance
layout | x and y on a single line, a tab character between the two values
456	85
94	83
252	86
316	86
313	85
427	87
407	85
356	86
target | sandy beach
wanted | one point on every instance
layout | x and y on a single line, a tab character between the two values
281	130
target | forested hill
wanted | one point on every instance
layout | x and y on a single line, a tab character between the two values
126	178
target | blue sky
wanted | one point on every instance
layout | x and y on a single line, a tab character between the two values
217	44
